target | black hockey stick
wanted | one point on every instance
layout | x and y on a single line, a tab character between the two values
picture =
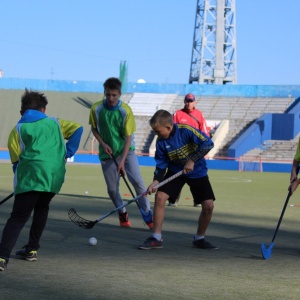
267	252
86	224
125	180
146	217
7	198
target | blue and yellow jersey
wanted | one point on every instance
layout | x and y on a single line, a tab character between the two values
113	125
37	149
185	142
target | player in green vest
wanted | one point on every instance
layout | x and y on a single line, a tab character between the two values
113	125
38	153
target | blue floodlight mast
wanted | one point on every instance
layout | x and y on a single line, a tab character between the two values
214	43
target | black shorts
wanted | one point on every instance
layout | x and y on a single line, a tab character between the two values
200	187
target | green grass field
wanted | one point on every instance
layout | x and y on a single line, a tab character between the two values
247	209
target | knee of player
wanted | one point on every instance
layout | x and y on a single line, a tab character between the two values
208	206
160	198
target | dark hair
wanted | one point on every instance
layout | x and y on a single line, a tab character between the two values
162	118
113	83
33	100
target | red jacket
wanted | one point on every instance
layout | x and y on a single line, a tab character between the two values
181	116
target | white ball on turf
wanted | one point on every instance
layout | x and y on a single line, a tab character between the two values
93	241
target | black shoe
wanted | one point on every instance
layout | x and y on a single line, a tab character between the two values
203	244
3	264
151	243
27	254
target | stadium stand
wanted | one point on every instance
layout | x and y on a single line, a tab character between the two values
146	104
275	150
238	113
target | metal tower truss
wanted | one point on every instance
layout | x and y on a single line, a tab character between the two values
214	43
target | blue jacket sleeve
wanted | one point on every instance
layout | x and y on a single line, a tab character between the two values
73	142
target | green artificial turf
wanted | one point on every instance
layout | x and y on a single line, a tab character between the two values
247	209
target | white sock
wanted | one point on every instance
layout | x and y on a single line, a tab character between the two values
198	237
157	236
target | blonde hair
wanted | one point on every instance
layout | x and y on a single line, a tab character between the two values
162	118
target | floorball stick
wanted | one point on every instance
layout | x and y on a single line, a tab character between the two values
7	198
267	252
86	224
125	180
146	217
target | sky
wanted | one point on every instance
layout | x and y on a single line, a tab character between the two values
85	40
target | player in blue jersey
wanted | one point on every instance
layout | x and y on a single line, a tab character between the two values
180	147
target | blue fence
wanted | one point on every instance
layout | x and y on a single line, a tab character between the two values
232	165
180	89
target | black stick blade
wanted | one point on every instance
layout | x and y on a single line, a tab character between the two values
79	221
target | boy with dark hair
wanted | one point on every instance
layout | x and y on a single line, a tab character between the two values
112	123
38	153
180	147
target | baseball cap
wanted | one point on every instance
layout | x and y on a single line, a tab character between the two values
189	97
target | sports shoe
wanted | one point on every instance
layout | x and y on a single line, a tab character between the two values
197	205
150	225
203	244
172	204
27	254
148	218
151	243
124	221
3	264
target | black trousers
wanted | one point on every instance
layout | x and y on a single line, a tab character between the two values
24	204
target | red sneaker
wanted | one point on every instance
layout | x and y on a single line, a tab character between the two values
124	221
150	225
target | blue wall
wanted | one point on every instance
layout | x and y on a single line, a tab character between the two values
180	89
267	127
232	165
253	137
283	127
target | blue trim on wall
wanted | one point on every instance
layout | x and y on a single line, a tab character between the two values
147	161
4	155
180	89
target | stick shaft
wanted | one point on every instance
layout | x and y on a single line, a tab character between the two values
281	216
7	198
123	176
139	196
284	207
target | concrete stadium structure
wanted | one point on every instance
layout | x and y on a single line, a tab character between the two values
253	120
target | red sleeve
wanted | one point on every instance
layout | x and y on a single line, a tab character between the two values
202	122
